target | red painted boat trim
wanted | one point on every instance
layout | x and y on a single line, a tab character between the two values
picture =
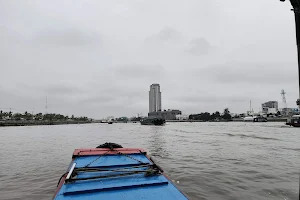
61	182
106	151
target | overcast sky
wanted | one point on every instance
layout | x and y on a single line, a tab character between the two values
98	57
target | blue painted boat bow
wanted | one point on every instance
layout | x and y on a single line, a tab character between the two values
127	174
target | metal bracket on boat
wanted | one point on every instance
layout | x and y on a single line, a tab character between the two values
70	172
143	152
156	165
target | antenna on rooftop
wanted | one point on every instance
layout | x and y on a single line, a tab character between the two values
284	104
46	107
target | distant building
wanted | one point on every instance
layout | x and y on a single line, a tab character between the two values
166	114
270	107
154	98
250	113
109	118
182	117
289	111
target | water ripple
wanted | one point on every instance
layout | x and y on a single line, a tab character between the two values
206	160
251	136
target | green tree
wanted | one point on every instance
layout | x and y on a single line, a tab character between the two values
38	116
216	115
135	119
202	116
205	116
17	116
226	114
27	115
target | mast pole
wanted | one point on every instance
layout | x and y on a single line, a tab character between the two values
296	9
297	23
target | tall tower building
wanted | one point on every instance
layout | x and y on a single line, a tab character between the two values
154	98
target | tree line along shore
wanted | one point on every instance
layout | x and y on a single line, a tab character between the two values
26	118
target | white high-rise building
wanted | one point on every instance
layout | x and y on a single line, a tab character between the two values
154	98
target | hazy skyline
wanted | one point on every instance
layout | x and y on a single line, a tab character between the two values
98	58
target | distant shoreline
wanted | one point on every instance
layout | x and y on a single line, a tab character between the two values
47	122
39	123
270	119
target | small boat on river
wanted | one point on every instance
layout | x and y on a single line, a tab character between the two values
294	121
111	172
255	119
260	119
153	121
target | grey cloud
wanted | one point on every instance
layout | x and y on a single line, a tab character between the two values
213	99
98	58
199	46
99	99
19	102
113	93
111	101
61	89
167	34
255	73
140	71
116	89
67	37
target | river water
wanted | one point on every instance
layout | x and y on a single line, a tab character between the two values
233	160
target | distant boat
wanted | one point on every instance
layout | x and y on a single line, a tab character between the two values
260	119
255	119
113	172
153	121
248	119
294	121
110	122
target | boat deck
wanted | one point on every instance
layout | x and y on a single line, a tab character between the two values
127	174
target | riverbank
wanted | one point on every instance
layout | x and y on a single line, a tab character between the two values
38	123
48	122
270	119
